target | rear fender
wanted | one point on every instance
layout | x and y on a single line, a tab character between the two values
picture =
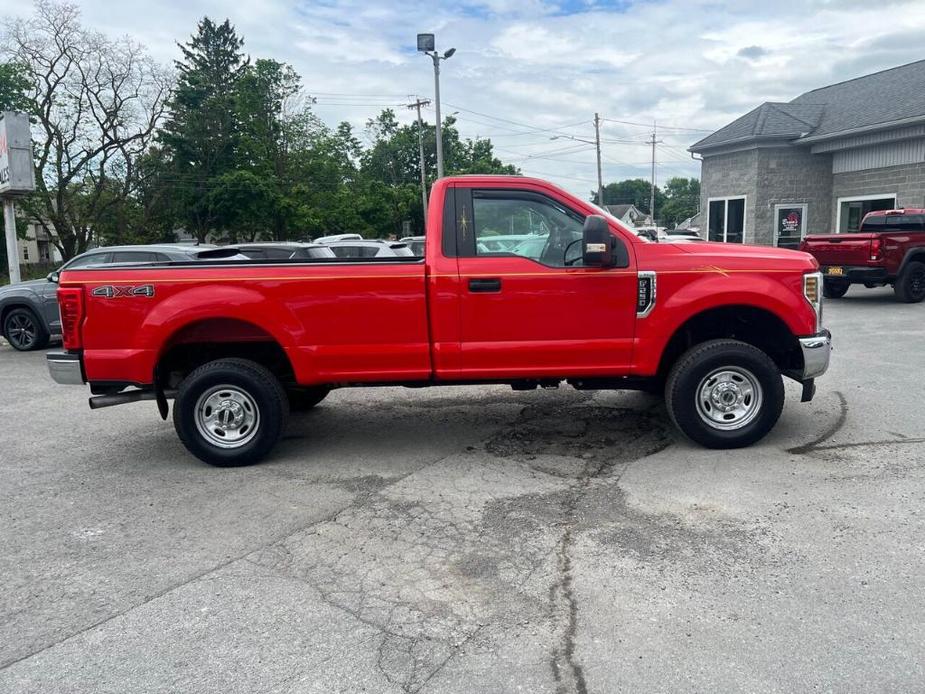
211	303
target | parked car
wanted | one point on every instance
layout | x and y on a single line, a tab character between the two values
339	237
715	328
888	248
415	243
366	248
284	250
29	310
680	235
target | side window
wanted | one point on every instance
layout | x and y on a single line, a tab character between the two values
88	259
527	225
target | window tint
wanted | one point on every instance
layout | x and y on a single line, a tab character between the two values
895	222
314	253
529	226
133	257
88	259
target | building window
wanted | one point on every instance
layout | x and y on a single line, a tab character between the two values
25	253
789	225
851	210
726	219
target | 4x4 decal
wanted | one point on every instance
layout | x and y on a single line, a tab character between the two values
115	291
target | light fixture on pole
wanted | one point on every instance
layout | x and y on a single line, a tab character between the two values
426	45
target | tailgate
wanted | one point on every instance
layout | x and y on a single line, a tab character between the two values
839	249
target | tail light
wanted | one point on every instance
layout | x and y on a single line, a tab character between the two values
875	249
71	305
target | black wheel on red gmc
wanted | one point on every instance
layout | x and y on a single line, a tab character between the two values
910	285
725	394
230	412
835	289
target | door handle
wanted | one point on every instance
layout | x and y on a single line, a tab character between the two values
492	284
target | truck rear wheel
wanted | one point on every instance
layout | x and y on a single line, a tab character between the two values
835	289
910	285
725	394
230	412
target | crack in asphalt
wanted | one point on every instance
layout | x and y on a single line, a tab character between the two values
216	567
829	432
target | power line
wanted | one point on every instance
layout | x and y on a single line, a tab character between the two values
663	127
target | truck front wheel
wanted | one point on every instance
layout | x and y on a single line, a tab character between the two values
230	412
725	394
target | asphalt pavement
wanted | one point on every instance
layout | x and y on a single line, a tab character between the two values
475	539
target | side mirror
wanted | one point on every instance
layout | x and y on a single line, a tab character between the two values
53	276
597	243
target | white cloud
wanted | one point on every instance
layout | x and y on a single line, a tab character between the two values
552	64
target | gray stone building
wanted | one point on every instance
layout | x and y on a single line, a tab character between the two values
819	163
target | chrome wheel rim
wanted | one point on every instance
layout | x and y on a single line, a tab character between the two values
729	398
227	416
21	331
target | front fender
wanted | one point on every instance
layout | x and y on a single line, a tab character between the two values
682	296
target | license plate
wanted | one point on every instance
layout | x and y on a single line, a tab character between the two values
837	271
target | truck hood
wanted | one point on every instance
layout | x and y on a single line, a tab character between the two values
759	257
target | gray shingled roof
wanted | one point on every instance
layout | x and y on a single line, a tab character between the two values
884	97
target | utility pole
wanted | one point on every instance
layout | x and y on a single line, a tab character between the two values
653	142
597	144
417	105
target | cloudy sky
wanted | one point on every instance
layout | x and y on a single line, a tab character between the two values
529	70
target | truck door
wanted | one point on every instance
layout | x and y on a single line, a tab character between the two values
527	306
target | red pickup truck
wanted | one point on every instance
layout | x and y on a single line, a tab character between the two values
521	283
888	248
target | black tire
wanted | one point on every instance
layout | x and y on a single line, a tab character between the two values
835	289
910	285
304	399
24	331
226	382
690	374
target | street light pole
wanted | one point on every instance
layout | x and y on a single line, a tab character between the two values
436	57
426	45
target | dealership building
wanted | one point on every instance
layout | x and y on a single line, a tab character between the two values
818	163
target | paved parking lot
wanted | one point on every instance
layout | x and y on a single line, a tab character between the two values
475	540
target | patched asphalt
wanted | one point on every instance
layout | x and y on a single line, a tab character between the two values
475	539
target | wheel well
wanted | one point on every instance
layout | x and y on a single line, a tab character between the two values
219	338
4	312
755	326
917	255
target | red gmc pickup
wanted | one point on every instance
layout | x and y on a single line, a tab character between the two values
520	283
888	248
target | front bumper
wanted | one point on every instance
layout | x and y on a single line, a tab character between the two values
66	368
816	352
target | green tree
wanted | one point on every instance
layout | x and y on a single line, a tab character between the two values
632	191
202	133
95	103
683	200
